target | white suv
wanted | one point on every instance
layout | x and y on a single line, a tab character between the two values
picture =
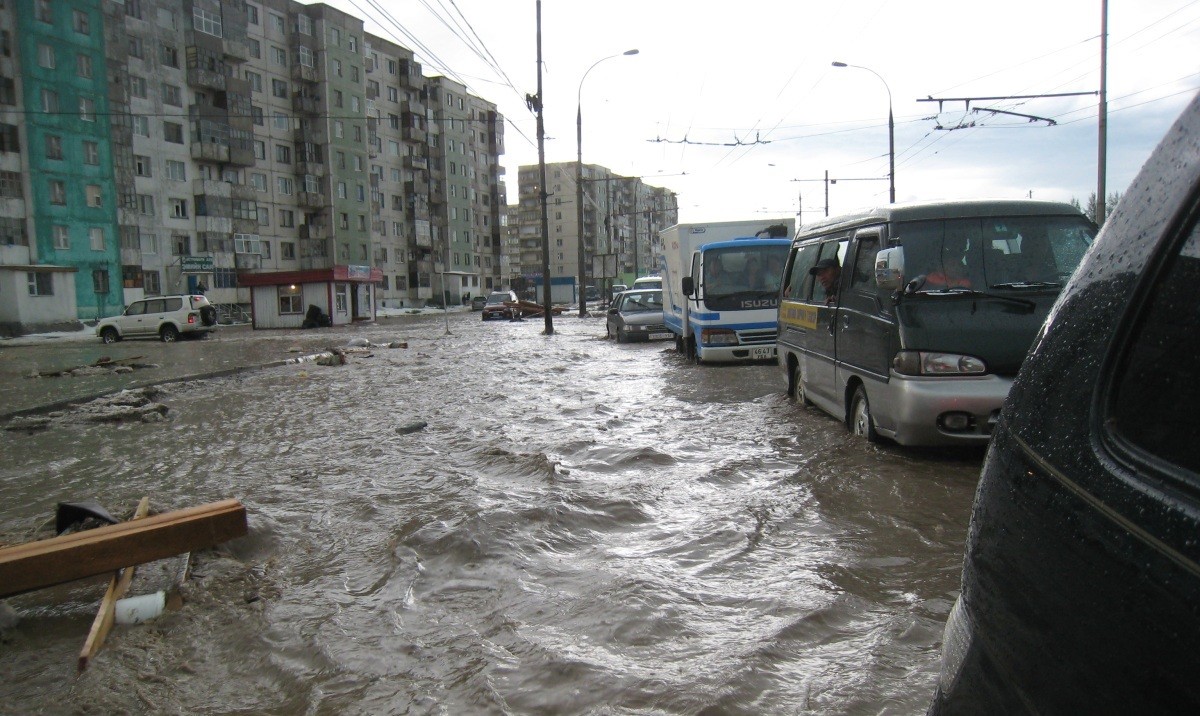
163	317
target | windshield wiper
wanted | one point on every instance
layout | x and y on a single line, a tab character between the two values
1027	284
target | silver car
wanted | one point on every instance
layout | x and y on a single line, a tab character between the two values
637	315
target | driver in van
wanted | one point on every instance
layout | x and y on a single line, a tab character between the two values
953	272
829	275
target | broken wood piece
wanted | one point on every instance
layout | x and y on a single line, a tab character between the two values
62	559
116	589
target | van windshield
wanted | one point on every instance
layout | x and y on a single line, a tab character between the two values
743	277
1019	253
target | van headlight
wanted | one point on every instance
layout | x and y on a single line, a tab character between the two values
928	363
718	337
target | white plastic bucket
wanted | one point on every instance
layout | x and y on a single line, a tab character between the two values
135	610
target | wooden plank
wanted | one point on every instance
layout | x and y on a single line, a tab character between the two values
65	558
116	589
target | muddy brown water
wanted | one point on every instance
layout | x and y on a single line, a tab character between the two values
581	528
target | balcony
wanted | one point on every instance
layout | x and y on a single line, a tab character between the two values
301	73
197	77
211	152
310	200
316	169
414	134
305	104
236	50
208	187
310	134
314	232
249	262
214	225
411	162
416	186
244	192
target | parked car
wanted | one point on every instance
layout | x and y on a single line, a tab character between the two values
164	317
1081	581
478	302
500	304
616	289
647	282
637	316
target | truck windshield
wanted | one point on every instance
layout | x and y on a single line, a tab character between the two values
743	277
1022	253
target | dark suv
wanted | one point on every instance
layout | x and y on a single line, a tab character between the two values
1081	583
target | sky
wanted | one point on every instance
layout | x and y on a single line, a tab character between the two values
738	109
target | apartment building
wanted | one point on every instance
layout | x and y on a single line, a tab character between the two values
270	153
622	217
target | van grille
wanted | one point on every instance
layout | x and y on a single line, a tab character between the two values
764	337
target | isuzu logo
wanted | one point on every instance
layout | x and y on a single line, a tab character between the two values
761	303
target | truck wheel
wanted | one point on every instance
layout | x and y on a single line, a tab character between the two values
110	335
861	422
797	386
168	333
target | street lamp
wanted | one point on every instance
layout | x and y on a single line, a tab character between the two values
891	130
579	180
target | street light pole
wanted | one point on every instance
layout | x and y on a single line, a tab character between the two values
891	131
579	181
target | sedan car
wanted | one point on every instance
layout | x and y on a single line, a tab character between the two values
500	304
637	316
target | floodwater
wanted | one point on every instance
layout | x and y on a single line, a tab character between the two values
582	527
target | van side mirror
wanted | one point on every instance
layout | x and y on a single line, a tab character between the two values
889	268
688	286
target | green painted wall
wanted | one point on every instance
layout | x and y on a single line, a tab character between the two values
72	170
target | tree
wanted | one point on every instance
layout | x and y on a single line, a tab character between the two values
1109	204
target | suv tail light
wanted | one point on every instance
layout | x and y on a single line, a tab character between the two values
191	318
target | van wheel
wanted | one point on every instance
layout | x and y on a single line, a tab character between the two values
169	334
861	422
798	388
110	335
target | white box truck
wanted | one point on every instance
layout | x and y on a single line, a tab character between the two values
721	287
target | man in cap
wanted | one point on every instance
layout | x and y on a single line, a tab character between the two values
829	275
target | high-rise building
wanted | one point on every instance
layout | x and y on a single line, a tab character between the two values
163	146
621	220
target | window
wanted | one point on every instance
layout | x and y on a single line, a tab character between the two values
145	204
278	24
287	218
181	245
207	22
224	278
8	90
176	170
40	284
279	56
256	115
283	185
149	243
94	196
43	12
151	283
251	14
255	81
312	184
247	244
279	89
62	237
141	126
168	55
264	216
281	120
255	48
287	250
91	153
80	22
339	129
171	95
173	132
136	49
58	192
290	300
83	65
179	208
260	149
283	154
335	36
137	86
87	109
96	239
49	101
46	56
304	25
258	181
306	57
53	146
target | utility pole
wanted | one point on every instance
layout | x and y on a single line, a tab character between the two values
1101	154
544	195
829	181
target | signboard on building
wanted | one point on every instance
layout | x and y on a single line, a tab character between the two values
196	264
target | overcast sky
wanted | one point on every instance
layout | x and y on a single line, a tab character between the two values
730	105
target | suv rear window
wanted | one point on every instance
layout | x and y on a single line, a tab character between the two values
174	304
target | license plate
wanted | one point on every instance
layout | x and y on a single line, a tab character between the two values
762	353
660	336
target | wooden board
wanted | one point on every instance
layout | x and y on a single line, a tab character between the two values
116	589
65	558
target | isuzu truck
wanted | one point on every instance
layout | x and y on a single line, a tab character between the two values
721	287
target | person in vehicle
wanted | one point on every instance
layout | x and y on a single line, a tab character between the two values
755	280
718	282
953	272
829	275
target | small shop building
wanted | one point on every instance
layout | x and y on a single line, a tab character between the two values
282	299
